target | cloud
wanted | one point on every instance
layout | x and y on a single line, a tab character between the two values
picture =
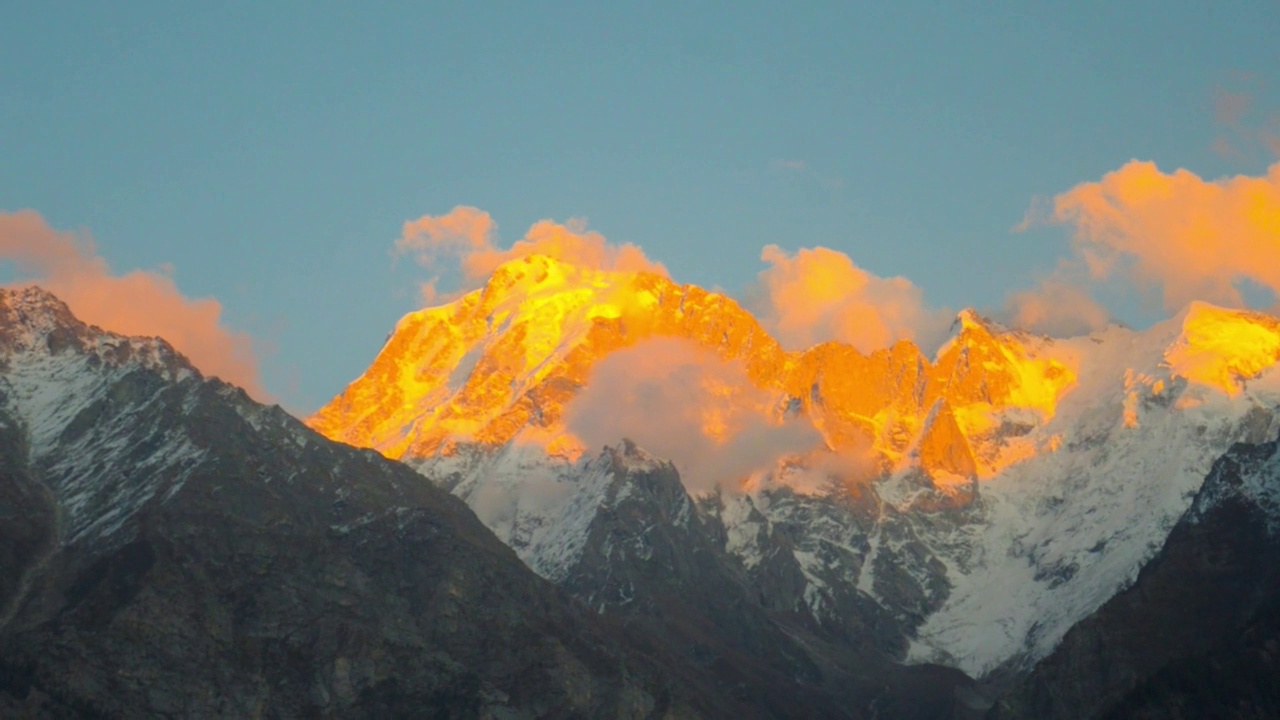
1229	107
682	402
1060	305
819	294
1176	234
1243	138
436	240
465	237
141	302
819	472
461	230
1223	148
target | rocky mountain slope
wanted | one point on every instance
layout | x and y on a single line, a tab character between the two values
172	549
1197	633
967	509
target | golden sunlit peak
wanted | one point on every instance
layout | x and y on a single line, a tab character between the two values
968	328
539	268
533	273
1222	348
969	319
503	363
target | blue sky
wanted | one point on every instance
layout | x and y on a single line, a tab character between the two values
270	152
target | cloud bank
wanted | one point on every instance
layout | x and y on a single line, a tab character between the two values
683	403
819	294
465	236
1176	235
141	302
1060	305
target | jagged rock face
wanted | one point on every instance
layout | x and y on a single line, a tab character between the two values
1198	633
175	549
650	557
886	400
504	361
658	563
943	446
621	533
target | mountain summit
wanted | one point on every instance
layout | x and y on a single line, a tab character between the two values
502	363
506	359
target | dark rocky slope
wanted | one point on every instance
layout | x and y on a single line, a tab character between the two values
657	563
1198	633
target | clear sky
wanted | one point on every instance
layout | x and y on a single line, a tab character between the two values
270	152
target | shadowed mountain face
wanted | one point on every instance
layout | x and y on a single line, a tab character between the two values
655	562
1198	633
175	549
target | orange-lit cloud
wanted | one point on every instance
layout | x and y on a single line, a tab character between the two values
819	294
138	303
682	402
1177	234
572	243
462	229
1058	306
465	235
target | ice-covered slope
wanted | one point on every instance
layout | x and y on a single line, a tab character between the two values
1063	531
1196	635
60	382
542	506
998	574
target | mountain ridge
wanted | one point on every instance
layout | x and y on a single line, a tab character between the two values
931	480
501	363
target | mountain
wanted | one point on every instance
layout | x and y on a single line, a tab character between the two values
1198	632
172	548
963	510
501	363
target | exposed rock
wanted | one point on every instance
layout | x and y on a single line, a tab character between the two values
943	448
1194	635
